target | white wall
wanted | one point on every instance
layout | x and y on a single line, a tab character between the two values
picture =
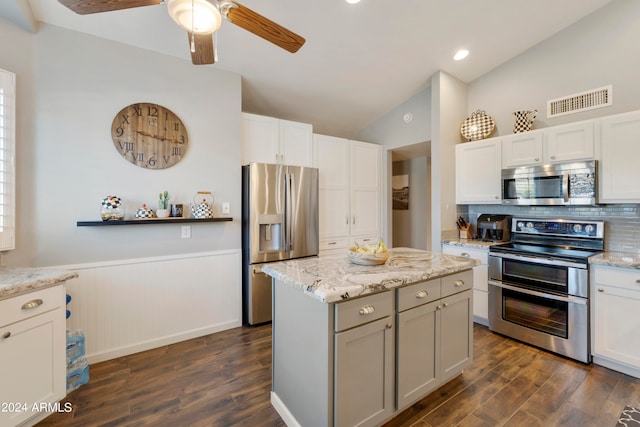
599	50
448	103
68	96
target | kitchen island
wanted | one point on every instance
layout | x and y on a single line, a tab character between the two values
355	345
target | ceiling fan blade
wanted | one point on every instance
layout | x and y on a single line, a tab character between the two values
85	7
204	49
263	27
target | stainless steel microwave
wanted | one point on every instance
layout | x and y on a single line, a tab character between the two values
553	184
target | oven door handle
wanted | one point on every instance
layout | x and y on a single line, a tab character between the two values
538	260
569	299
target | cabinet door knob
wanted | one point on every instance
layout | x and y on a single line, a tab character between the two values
445	305
638	281
438	307
389	326
600	290
497	197
553	157
422	294
367	309
458	283
6	335
537	159
32	304
466	255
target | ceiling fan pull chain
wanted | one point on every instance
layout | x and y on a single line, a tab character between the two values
215	46
193	42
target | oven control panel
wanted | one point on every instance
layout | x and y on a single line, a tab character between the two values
559	227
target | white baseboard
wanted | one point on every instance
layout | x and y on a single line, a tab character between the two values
283	411
617	366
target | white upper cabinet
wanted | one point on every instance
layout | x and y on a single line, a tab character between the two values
270	140
565	143
619	170
569	142
522	149
478	171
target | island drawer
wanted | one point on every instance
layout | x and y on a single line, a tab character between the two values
418	294
363	310
31	304
457	283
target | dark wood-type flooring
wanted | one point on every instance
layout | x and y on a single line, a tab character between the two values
224	379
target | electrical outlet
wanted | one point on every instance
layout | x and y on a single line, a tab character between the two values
226	209
186	231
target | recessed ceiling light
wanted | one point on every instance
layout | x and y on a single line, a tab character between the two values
353	1
461	54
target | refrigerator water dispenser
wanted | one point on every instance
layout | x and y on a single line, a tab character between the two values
271	237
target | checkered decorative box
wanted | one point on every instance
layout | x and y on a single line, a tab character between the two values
478	126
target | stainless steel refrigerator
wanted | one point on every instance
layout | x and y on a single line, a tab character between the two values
279	222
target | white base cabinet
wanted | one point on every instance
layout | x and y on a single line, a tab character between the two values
615	322
33	353
480	279
362	361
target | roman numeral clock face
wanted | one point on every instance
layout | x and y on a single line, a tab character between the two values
149	135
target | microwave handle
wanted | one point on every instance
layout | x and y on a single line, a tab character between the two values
565	186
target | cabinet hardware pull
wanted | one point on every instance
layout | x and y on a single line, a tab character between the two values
422	294
367	309
600	290
332	243
347	218
32	304
466	255
354	220
537	159
438	307
497	197
458	283
6	335
445	305
389	326
553	157
638	281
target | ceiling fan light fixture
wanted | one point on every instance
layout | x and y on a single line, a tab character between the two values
197	16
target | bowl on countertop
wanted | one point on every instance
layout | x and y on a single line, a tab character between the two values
367	258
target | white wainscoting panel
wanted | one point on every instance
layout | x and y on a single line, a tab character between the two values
128	306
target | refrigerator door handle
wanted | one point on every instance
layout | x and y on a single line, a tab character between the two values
291	213
287	212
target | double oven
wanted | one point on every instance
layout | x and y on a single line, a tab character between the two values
539	284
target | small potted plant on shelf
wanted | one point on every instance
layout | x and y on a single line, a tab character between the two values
163	205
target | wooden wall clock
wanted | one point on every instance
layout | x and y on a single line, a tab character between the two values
149	135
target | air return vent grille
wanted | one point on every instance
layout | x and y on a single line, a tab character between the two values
583	101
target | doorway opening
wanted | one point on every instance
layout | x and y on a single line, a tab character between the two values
408	177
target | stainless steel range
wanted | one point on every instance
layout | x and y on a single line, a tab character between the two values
539	284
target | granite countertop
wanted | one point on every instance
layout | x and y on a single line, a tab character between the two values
334	278
616	259
15	281
471	243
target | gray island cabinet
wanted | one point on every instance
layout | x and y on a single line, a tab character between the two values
355	345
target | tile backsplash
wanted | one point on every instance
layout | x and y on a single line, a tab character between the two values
622	222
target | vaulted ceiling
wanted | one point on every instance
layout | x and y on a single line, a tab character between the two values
359	60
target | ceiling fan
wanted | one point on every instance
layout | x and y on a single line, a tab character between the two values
201	18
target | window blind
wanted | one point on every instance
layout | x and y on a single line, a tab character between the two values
7	159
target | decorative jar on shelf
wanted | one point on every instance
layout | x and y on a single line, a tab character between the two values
112	209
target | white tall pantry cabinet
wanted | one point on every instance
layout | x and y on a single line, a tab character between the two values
350	183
